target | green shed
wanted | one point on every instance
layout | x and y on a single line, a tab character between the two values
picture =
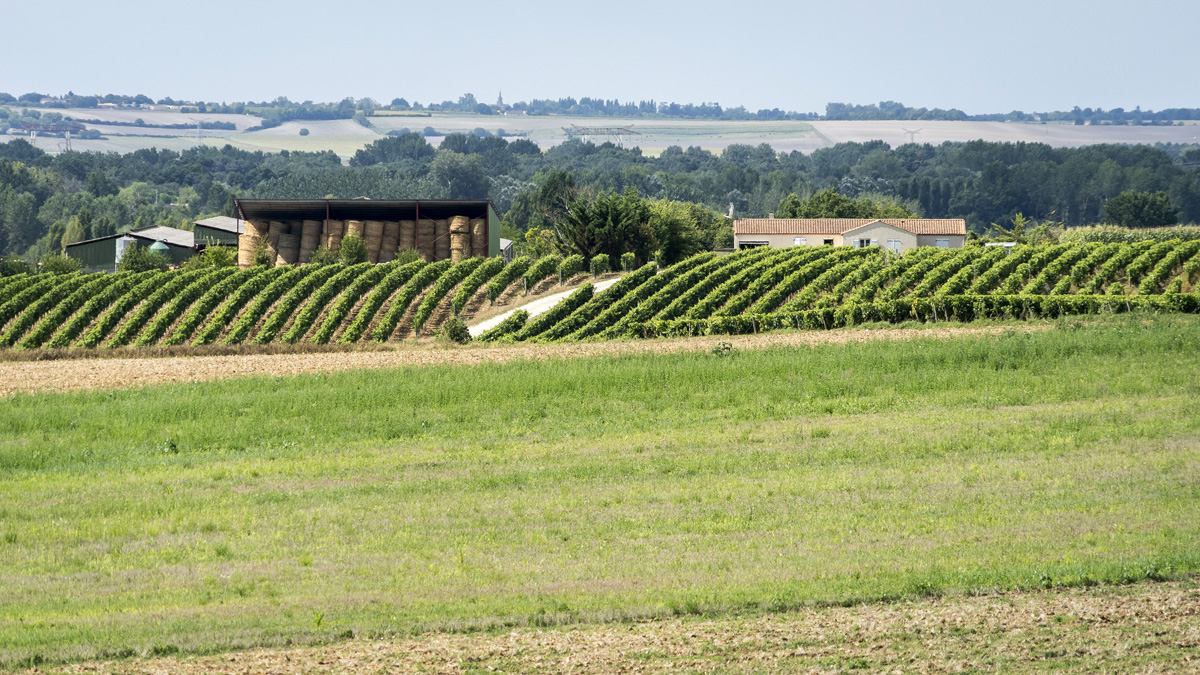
103	254
218	231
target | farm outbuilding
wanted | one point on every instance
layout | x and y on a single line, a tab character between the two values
217	231
897	234
437	229
103	254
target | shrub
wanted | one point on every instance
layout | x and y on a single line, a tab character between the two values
303	131
262	256
140	259
627	261
353	250
405	256
569	267
454	330
10	267
59	264
599	265
323	256
213	257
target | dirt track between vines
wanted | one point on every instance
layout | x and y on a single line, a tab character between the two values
120	373
1145	628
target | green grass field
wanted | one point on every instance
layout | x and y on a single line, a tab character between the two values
268	511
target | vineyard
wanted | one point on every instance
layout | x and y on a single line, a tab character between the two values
747	291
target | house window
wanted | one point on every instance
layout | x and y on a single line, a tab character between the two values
942	243
800	241
827	242
893	245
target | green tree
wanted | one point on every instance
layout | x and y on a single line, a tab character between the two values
458	176
59	264
140	259
1141	209
99	184
789	207
353	250
75	232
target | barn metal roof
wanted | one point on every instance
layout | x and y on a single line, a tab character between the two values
223	223
842	225
361	209
168	235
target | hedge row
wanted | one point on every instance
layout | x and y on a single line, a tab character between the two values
601	301
560	311
509	274
63	311
44	304
514	322
395	277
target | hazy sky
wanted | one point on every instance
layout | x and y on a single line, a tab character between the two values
979	57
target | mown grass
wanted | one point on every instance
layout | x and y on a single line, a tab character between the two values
203	517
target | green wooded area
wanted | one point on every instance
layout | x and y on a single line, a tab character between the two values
46	200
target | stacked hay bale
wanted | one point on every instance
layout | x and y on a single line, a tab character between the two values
310	239
425	235
408	234
355	228
288	249
334	230
248	242
460	238
274	231
390	241
479	238
373	238
441	246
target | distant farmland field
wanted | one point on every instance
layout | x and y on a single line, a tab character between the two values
344	137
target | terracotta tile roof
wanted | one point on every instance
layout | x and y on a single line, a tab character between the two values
803	226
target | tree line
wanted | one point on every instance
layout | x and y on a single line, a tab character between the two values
48	200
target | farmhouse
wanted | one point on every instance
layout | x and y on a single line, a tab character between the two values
103	253
897	234
438	229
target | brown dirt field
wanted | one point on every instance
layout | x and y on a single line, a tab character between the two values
118	373
1150	628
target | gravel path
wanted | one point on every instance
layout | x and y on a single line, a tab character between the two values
120	373
536	307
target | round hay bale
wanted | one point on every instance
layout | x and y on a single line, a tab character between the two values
425	234
247	244
274	231
289	249
256	228
333	230
310	233
479	238
408	234
355	227
441	244
460	225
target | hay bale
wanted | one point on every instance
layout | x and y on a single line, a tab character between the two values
460	225
441	243
289	249
247	244
425	235
373	238
408	234
390	241
355	227
479	238
332	232
256	228
310	239
274	231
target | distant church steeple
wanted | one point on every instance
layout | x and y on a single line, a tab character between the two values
500	100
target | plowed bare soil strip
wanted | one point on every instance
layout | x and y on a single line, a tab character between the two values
1142	628
118	373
